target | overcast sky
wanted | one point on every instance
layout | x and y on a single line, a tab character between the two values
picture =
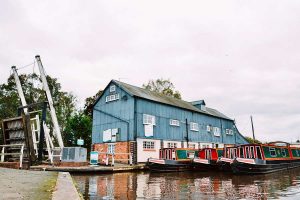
241	57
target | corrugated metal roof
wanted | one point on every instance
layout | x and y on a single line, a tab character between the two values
157	97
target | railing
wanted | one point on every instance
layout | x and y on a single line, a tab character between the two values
112	155
3	154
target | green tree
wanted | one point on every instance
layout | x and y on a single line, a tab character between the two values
79	126
89	103
162	86
251	141
64	102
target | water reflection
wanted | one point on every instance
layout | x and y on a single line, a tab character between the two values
199	185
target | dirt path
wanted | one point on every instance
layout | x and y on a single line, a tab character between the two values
23	184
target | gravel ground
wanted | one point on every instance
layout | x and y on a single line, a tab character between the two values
24	184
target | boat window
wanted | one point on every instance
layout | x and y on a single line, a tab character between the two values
283	153
258	152
272	152
241	152
207	154
233	153
246	152
252	152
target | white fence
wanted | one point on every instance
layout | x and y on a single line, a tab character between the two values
3	154
111	157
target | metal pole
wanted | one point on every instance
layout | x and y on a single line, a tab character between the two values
252	129
50	101
187	133
19	88
42	134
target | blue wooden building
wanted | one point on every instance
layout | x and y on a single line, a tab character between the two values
127	118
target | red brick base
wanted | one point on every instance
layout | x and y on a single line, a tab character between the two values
120	147
13	165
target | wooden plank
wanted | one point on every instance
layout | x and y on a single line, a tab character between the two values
28	137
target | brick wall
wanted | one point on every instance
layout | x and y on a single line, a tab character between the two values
120	147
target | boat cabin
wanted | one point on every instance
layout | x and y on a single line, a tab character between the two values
210	153
270	151
177	153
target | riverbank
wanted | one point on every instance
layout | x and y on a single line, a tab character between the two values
92	169
24	184
35	185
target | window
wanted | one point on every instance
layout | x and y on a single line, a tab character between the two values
111	148
148	145
194	126
172	145
229	132
241	150
112	97
247	152
148	119
283	153
208	128
272	152
192	146
258	152
217	131
112	88
174	122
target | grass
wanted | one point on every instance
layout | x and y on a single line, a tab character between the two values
46	189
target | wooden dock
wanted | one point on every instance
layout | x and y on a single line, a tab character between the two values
91	168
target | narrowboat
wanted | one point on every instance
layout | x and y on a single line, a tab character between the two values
229	153
207	159
265	158
172	160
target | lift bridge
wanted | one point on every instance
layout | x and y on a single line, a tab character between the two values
26	135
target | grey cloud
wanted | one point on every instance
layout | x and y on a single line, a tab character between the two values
240	56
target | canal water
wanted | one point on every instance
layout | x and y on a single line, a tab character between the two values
190	185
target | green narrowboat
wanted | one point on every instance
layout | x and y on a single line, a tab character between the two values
172	160
265	158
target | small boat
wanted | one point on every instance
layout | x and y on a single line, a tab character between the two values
265	158
229	153
172	160
207	159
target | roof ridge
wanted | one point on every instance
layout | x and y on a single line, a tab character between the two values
155	92
165	99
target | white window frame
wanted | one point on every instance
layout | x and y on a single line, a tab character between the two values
208	128
283	152
229	131
111	148
149	119
217	131
172	145
174	122
194	126
271	149
112	97
112	88
149	145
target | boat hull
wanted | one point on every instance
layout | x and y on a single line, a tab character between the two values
158	165
239	167
224	164
204	165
